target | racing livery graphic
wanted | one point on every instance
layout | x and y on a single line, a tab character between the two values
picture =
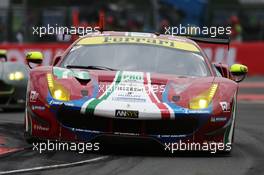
141	85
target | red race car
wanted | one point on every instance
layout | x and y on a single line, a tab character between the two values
133	85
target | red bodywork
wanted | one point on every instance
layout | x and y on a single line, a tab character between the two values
44	123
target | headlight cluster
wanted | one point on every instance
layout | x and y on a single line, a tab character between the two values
57	90
16	76
203	100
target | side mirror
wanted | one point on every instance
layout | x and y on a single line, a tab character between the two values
3	54
34	57
238	72
222	69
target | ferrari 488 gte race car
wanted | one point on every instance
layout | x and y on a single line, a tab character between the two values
13	83
133	85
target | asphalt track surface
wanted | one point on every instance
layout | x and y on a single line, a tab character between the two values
247	157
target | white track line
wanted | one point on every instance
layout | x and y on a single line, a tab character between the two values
65	165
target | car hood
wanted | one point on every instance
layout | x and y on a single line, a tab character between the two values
119	90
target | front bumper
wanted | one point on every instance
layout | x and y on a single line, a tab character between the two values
68	123
190	126
88	127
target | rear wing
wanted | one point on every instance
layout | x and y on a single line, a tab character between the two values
210	40
224	41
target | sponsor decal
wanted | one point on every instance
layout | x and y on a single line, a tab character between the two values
132	77
126	113
124	133
218	119
39	108
138	34
138	40
40	128
197	111
129	88
33	96
52	102
69	104
225	106
129	94
129	99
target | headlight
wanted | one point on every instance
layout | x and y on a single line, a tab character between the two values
203	100
16	76
57	90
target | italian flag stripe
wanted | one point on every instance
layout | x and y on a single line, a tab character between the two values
165	113
92	105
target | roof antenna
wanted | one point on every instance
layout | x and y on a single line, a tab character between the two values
226	52
228	42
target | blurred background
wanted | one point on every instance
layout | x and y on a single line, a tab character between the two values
17	17
246	17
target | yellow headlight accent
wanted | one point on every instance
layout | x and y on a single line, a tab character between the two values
203	103
58	94
57	90
50	81
203	100
16	76
213	90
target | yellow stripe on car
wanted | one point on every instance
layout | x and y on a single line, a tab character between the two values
139	40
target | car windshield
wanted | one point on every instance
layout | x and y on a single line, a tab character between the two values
138	57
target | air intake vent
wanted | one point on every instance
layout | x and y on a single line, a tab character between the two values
83	81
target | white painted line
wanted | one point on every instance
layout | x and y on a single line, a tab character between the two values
65	165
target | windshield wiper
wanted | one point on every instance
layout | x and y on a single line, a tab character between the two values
90	67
